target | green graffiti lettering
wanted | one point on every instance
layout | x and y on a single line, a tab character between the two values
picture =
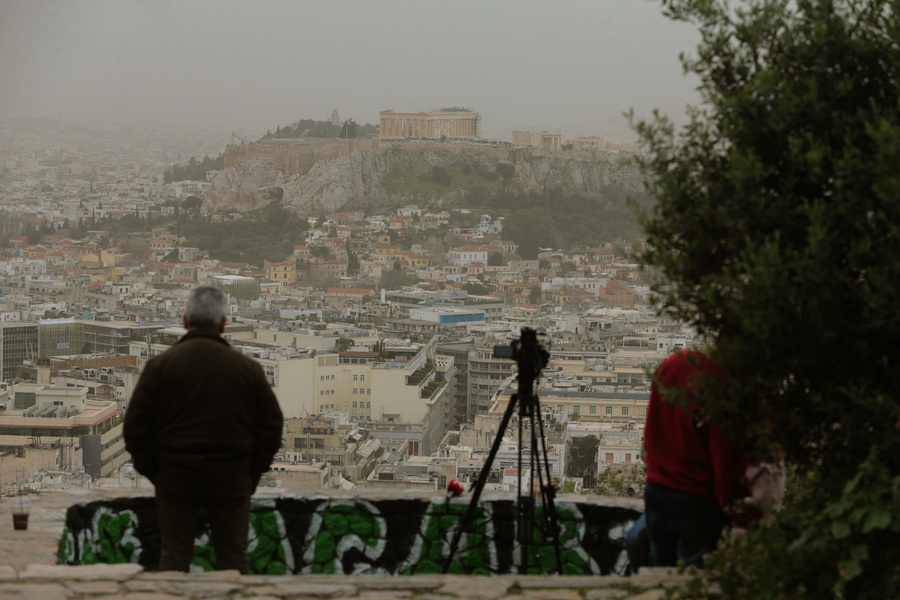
338	527
430	551
268	549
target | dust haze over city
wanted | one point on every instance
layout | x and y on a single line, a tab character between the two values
386	191
572	67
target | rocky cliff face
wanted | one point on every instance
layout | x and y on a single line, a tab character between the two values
244	187
332	185
354	181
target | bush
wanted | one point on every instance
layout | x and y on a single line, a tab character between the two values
777	226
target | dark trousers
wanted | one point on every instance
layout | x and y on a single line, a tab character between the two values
681	526
229	523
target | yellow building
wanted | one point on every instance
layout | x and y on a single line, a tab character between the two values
283	272
267	290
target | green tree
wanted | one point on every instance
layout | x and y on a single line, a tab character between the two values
352	263
476	289
495	259
506	171
343	344
582	460
534	294
778	226
529	229
192	205
440	175
321	252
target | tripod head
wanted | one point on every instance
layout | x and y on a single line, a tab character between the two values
530	356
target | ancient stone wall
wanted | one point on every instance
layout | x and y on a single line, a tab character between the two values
293	157
365	534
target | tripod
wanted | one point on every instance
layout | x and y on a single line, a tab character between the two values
530	358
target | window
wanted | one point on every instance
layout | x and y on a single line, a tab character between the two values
627	459
356	378
362	377
576	409
624	411
369	391
368	405
354	405
609	458
321	392
355	391
593	410
609	410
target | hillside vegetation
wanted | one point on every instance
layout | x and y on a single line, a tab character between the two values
556	217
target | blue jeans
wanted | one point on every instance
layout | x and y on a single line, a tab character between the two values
637	544
681	526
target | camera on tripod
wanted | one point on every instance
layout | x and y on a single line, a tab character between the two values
530	356
533	532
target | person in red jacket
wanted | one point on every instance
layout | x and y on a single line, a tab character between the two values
695	475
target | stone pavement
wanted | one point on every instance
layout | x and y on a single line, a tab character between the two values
28	571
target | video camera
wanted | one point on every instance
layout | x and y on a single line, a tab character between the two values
530	356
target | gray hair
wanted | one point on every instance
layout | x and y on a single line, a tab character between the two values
205	308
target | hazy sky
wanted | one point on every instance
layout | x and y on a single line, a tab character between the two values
564	65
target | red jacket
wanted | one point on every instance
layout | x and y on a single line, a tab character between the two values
681	451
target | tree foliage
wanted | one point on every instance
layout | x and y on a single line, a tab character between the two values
194	170
268	233
560	219
777	226
582	461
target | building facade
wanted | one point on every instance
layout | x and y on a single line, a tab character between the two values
18	343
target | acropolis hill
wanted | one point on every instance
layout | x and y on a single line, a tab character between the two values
316	174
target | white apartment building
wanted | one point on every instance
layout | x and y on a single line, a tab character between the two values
464	255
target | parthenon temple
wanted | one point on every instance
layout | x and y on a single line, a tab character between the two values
434	124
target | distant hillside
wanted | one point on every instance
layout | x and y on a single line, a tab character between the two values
576	196
309	128
384	175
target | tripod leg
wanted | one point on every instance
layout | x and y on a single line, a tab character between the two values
482	479
524	502
547	490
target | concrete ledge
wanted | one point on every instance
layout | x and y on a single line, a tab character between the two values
28	568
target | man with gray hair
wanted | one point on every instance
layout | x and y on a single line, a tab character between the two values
203	425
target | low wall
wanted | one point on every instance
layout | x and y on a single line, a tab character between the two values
364	534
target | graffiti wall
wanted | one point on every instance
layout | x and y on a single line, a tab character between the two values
385	535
